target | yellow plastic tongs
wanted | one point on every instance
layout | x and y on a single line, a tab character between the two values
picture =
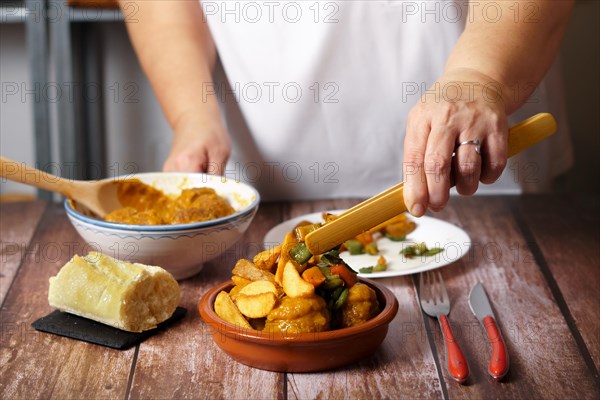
390	202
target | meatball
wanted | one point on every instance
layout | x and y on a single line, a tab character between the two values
129	215
361	305
299	315
145	205
206	201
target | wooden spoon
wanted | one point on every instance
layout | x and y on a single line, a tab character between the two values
390	202
100	197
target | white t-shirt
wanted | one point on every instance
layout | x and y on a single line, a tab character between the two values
317	92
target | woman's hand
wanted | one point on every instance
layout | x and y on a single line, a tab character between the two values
199	148
178	55
464	105
508	55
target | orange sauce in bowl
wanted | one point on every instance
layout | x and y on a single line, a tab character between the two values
146	205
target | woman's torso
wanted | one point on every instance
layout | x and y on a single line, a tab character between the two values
317	93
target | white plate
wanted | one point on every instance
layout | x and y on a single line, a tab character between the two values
432	231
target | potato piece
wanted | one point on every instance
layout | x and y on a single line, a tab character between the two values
303	229
327	217
267	259
246	269
235	291
289	241
239	281
227	310
400	229
293	284
256	305
394	220
258	287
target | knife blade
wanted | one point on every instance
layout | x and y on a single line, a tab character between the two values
481	308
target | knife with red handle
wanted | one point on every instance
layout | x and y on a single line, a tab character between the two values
480	305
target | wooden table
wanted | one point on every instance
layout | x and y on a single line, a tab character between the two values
538	258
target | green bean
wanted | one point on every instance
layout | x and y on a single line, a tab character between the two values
433	252
371	248
325	271
341	300
394	238
420	249
333	283
380	267
354	246
336	293
300	253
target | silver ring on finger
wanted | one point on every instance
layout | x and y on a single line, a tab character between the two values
474	142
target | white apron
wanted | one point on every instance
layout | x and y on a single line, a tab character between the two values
317	93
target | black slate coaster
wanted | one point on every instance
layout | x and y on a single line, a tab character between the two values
76	327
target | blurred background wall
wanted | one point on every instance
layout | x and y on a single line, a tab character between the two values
132	110
580	54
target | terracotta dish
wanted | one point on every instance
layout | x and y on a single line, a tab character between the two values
305	352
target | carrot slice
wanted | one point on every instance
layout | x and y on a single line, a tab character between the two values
365	238
345	274
314	276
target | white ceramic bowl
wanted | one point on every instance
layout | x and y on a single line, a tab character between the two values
180	249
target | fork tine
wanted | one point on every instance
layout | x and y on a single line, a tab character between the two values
445	297
432	291
436	288
428	291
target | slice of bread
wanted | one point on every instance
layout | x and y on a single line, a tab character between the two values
129	296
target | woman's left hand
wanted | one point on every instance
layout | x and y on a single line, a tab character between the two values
463	105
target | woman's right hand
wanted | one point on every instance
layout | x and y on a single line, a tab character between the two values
199	148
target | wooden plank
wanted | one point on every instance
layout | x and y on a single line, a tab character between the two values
567	233
269	215
403	367
17	226
41	365
296	209
184	362
544	359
